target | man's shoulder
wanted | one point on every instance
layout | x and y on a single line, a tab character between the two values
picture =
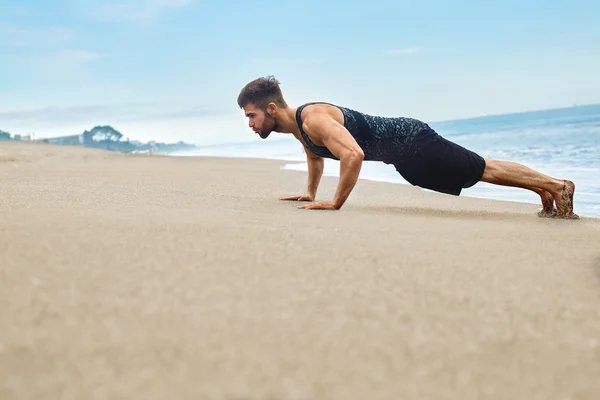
319	112
320	109
317	106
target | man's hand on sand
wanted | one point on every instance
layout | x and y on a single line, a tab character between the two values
298	198
322	205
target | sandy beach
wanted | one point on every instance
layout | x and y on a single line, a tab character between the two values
155	277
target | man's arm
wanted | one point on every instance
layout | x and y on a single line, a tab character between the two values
315	172
342	145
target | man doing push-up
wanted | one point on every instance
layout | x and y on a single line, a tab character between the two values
419	154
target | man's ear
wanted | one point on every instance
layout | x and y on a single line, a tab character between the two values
271	108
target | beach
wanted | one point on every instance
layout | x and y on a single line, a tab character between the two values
155	277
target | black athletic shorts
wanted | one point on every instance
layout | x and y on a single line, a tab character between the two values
441	165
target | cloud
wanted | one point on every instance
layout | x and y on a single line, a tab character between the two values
404	51
60	66
74	57
102	113
45	54
136	120
19	44
136	10
38	37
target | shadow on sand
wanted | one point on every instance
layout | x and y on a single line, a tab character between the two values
452	213
481	214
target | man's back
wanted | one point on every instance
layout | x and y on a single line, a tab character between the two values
381	138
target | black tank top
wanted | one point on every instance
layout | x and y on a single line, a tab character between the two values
384	139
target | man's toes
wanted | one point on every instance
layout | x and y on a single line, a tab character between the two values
571	215
547	214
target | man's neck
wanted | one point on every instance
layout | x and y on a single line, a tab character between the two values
287	121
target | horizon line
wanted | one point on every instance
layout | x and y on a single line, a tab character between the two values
530	111
461	119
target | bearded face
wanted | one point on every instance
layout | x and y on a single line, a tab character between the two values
260	122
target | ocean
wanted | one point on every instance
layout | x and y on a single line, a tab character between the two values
564	143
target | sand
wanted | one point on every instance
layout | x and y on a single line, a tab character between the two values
153	277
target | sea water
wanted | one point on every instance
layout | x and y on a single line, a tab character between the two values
563	143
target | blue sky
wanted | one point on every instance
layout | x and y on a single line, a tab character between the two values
172	69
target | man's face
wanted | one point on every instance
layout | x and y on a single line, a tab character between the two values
261	123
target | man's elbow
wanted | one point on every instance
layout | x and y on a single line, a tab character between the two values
355	156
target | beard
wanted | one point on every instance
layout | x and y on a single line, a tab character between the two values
270	125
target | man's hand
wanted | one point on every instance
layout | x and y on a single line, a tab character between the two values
298	198
322	205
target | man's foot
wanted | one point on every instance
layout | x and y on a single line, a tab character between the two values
547	214
548	210
564	201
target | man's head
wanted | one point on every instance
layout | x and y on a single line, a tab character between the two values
261	100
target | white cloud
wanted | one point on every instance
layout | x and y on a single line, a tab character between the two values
71	57
141	121
39	37
136	10
107	113
404	51
65	66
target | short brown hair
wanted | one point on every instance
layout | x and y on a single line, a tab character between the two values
261	92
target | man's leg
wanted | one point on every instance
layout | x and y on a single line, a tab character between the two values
509	173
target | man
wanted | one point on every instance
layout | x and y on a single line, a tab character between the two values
419	154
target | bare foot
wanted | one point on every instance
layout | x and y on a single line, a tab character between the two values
548	210
564	201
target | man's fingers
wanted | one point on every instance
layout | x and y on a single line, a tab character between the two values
311	206
318	206
296	198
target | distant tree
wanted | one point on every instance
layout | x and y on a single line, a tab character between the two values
4	135
104	133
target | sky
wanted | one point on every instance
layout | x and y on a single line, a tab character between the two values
171	70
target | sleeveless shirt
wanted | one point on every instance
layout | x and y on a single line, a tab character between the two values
386	139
